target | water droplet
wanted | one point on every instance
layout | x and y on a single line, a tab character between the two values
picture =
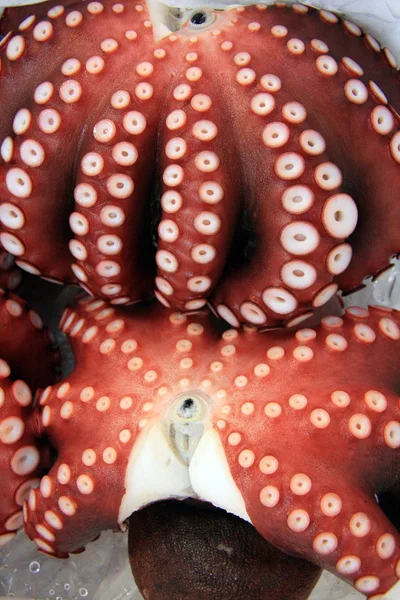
67	586
83	592
34	567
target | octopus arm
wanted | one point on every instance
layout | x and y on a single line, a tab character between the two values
23	458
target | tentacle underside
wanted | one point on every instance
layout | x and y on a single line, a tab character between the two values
271	140
312	495
23	366
21	331
94	171
327	504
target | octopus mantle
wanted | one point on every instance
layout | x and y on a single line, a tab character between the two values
252	158
295	432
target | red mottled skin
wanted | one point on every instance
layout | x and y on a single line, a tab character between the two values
244	269
321	404
26	362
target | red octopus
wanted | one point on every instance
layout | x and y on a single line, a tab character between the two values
207	168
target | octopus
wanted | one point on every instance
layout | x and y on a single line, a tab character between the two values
237	172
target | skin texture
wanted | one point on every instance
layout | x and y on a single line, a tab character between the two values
26	362
201	549
311	494
130	131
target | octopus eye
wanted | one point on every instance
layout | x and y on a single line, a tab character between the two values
187	409
201	19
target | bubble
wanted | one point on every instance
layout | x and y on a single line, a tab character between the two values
83	592
59	598
51	592
67	586
34	567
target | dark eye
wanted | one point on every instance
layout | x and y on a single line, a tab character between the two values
201	19
188	409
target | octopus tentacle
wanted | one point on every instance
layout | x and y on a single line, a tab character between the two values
22	329
361	410
336	72
23	459
70	86
112	236
242	395
20	460
113	218
202	200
